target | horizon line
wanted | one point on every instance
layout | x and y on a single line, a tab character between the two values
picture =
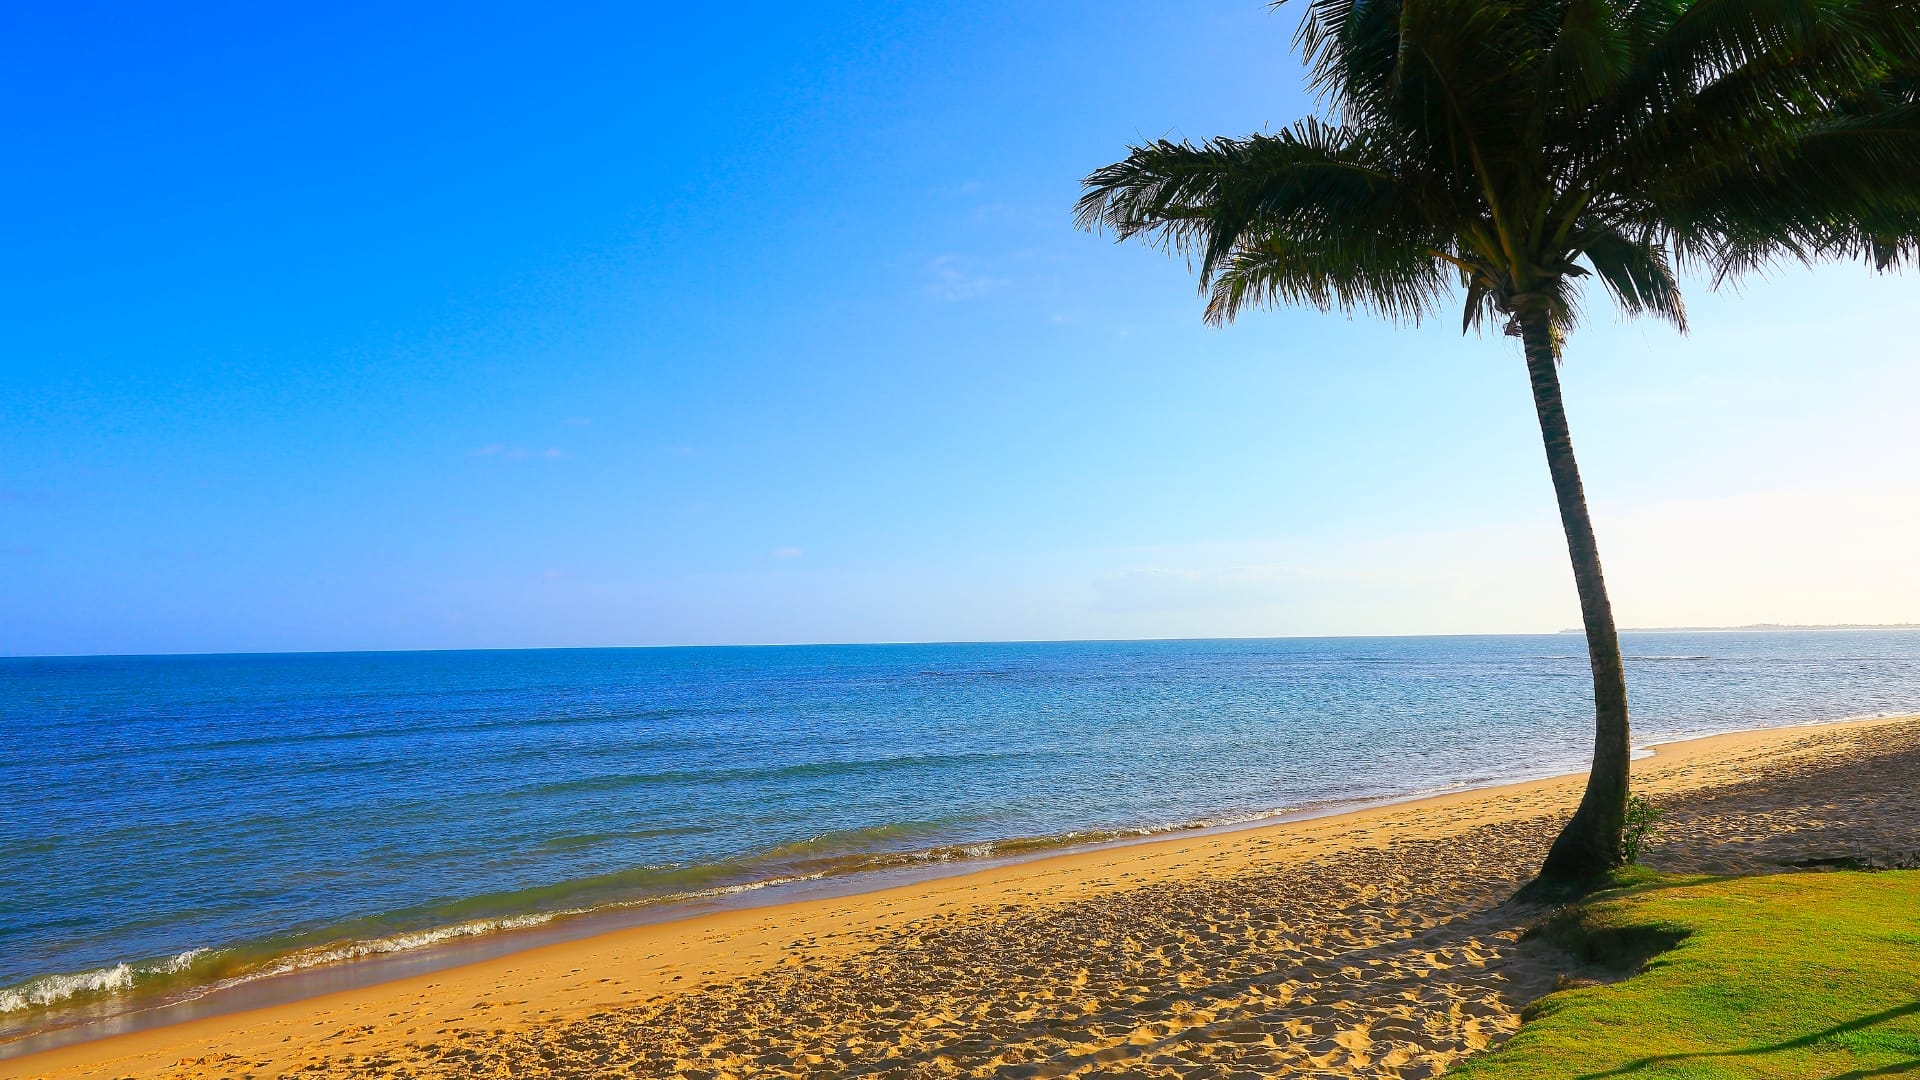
1749	627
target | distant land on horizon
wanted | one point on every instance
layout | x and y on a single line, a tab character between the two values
1756	627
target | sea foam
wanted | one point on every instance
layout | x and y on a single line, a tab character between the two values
100	982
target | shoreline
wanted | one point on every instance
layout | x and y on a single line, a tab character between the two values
459	944
671	941
349	964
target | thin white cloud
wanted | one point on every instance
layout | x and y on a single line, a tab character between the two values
182	555
954	278
1163	589
786	553
517	453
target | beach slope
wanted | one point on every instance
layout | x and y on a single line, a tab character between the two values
1380	942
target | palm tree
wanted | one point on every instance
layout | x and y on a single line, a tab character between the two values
1513	148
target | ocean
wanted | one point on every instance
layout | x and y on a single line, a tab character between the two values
172	824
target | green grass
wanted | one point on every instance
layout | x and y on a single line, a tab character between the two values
1791	975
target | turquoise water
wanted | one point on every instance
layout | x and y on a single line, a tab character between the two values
172	822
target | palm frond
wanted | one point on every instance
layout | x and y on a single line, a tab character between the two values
1396	282
1290	203
1840	186
1635	270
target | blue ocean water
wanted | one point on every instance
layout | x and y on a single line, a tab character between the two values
172	821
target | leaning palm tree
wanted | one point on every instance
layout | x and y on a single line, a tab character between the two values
1503	151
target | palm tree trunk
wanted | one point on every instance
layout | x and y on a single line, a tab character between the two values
1589	845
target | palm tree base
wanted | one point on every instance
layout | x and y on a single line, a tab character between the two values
1587	850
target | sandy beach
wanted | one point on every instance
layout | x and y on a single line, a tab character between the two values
1377	943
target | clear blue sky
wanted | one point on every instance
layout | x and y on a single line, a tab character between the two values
348	327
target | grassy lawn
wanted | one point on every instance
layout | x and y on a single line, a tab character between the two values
1791	975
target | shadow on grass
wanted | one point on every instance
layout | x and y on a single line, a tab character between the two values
1885	1070
1789	1044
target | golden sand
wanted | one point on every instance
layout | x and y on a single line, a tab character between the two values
1378	943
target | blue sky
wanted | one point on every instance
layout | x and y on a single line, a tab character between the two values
616	325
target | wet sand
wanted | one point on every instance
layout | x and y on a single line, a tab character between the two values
1377	943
